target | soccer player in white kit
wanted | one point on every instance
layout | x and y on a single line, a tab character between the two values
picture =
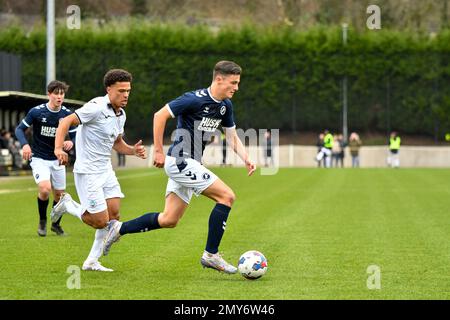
101	125
198	114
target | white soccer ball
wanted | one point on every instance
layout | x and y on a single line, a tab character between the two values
252	265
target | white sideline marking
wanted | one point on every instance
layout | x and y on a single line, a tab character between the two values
71	184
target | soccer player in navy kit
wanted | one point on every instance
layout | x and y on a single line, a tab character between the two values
47	172
199	113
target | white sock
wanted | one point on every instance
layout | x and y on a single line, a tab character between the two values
97	246
75	209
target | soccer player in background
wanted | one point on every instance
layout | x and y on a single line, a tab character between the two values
198	113
49	175
101	129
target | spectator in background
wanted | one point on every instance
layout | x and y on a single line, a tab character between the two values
328	142
268	149
342	144
8	141
121	157
394	149
3	140
224	149
336	151
319	156
13	146
355	144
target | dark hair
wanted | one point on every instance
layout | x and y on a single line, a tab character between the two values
226	68
116	75
56	86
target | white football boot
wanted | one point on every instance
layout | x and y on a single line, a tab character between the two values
61	207
94	266
215	261
112	236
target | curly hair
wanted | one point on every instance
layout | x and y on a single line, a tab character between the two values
116	75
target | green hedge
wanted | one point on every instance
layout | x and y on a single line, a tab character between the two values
292	80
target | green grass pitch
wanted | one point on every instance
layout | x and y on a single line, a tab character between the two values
319	229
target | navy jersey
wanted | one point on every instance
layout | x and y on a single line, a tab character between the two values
44	122
198	116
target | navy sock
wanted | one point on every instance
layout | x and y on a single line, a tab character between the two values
54	204
147	222
217	224
42	206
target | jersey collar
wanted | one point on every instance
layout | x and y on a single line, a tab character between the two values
108	103
54	111
210	95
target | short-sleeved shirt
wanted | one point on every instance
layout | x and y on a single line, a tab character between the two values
198	116
100	127
45	122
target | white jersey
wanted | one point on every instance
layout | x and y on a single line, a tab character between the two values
99	129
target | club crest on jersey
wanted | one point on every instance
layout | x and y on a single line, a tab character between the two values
223	109
209	125
44	120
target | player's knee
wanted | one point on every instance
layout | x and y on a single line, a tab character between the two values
100	224
44	192
170	223
228	198
96	222
167	222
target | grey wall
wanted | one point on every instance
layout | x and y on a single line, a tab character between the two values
10	72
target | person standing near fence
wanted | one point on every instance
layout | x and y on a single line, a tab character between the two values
354	145
394	149
268	160
328	142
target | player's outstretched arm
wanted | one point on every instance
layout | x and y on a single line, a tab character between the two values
61	132
236	145
122	147
159	124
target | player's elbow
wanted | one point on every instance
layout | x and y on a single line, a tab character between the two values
18	132
157	117
162	114
69	121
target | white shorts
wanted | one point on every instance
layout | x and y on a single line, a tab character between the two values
93	190
193	179
49	170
